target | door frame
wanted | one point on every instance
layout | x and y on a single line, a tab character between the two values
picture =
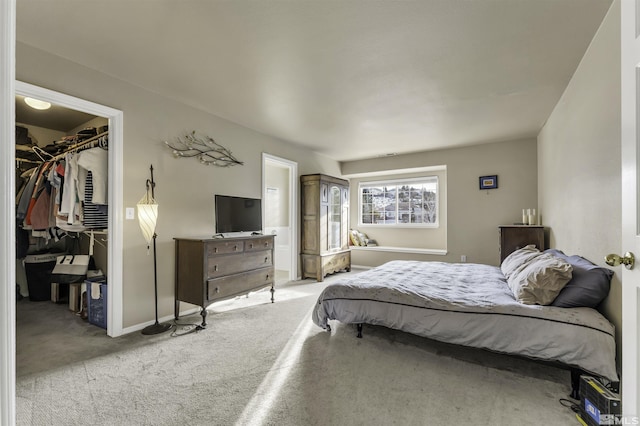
114	235
292	166
7	213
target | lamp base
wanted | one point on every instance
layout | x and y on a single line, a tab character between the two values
156	328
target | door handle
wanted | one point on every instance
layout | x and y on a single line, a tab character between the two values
628	260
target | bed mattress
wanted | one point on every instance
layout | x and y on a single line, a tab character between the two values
472	305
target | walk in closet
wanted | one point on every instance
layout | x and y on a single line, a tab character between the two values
61	210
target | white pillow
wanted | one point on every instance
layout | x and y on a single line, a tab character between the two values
540	280
517	260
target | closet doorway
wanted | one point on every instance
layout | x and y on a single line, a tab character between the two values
114	196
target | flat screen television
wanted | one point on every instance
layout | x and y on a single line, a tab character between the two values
238	214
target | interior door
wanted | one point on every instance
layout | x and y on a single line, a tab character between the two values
630	98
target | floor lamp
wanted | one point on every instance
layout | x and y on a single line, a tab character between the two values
148	217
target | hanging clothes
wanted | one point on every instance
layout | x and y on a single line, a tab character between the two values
96	216
96	161
23	204
57	194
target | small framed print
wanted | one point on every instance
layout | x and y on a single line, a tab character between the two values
489	182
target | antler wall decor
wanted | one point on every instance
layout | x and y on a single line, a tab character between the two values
205	149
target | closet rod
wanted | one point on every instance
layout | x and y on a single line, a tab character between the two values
79	145
24	160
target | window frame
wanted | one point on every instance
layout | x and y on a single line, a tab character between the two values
397	183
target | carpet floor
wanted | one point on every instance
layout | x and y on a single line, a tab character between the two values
268	364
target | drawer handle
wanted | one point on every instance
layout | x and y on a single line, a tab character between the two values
266	259
266	244
267	276
215	249
217	289
251	245
215	268
235	248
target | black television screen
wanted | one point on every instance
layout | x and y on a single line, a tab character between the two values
238	214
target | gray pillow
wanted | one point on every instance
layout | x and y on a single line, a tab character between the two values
517	260
589	284
541	280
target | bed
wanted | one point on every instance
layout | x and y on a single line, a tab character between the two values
472	305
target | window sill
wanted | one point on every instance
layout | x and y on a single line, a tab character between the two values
437	252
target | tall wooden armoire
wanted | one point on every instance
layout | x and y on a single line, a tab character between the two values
325	225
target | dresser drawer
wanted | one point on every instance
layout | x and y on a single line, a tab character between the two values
232	285
219	266
223	247
258	244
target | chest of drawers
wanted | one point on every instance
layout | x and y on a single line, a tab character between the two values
209	270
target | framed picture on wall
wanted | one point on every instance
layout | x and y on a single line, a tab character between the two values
489	182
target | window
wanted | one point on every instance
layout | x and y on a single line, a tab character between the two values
402	203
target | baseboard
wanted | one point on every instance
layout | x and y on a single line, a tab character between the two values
166	318
360	267
410	250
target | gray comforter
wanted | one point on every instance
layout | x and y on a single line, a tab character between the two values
469	304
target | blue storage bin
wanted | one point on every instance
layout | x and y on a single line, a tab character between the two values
97	303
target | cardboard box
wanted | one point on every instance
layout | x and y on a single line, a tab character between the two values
59	292
75	294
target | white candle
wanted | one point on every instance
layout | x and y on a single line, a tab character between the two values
525	218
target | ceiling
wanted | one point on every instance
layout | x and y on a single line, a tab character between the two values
350	79
55	118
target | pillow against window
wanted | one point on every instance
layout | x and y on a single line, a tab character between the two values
362	239
589	284
518	260
353	237
541	279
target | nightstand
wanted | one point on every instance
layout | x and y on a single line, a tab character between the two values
514	237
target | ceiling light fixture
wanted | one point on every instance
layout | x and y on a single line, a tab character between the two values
37	104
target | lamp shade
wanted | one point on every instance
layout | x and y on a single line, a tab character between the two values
147	216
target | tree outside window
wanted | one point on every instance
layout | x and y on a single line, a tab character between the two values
400	202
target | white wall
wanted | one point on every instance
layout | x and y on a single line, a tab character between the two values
472	216
579	159
185	188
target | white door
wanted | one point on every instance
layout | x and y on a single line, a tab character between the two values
630	56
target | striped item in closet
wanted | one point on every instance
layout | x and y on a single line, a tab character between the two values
96	216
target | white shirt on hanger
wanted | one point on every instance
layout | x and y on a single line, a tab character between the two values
95	160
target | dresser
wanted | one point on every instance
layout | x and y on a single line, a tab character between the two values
209	270
514	237
325	225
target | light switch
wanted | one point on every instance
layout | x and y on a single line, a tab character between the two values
130	213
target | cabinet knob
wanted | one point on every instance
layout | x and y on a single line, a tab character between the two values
215	268
235	248
266	244
266	259
217	289
267	276
251	245
215	249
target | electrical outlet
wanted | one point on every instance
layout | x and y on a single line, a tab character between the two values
130	213
463	258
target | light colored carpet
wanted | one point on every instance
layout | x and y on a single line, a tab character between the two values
263	363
